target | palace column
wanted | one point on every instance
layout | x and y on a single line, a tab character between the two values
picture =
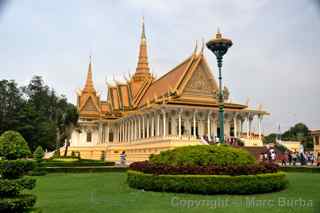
135	128
148	126
107	133
143	127
125	131
158	124
179	121
241	126
227	125
152	125
120	131
248	127
259	125
116	133
194	123
131	130
164	122
174	125
139	128
235	132
209	126
214	124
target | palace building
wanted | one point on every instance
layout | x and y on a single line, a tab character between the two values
145	115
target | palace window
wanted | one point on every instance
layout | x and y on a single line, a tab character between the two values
317	139
89	136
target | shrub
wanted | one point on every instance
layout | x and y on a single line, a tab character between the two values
13	187
215	155
76	163
158	169
13	146
12	169
38	154
17	204
208	184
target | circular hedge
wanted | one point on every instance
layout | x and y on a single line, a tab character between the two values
213	169
200	155
208	184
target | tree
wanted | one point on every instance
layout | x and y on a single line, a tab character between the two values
37	112
299	132
271	138
11	101
56	117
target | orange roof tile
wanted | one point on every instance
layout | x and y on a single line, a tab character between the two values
168	81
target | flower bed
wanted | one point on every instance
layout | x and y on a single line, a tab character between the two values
158	169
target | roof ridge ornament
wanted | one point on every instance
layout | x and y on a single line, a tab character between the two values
195	48
202	46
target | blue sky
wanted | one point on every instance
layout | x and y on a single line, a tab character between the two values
274	61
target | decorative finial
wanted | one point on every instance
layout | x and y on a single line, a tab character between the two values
195	48
202	45
247	101
143	34
218	35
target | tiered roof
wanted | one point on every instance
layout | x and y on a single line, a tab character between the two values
189	83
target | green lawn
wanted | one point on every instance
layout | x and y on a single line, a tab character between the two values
108	192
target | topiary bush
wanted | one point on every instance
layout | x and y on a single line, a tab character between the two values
13	147
38	154
216	155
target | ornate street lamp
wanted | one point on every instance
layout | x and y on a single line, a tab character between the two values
219	46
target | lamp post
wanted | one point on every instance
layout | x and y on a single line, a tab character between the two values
219	46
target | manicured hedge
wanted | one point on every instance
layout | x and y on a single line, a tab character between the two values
208	184
17	204
53	163
12	169
300	169
13	187
151	168
84	169
214	155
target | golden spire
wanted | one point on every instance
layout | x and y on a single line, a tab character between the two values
143	65
143	33
89	87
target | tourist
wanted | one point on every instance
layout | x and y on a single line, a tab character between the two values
318	159
283	157
311	158
273	156
261	157
266	156
289	158
294	158
123	157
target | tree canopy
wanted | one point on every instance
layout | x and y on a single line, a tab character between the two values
37	112
299	132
